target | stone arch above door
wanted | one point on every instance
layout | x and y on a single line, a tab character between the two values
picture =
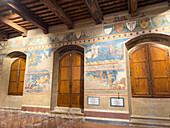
154	37
56	58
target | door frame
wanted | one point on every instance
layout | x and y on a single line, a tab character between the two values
82	77
57	54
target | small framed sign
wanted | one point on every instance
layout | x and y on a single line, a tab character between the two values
116	102
93	101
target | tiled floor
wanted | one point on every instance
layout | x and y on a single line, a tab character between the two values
10	119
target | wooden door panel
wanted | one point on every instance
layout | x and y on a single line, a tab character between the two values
161	86
76	86
76	73
64	78
141	87
20	88
15	65
76	59
140	69
139	72
14	76
159	67
12	88
76	77
65	61
22	64
157	53
139	54
64	73
64	100
22	75
75	101
64	87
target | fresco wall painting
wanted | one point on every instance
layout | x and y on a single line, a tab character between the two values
104	52
105	65
37	81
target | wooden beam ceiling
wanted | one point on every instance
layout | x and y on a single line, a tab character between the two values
20	29
16	6
95	10
132	7
55	8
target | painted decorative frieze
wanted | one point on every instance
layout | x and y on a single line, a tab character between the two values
122	27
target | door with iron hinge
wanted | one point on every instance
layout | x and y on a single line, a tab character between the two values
149	71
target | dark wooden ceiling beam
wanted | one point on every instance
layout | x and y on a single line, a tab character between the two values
20	29
95	10
16	6
132	7
55	8
4	34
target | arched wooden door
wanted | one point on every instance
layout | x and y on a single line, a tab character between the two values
70	83
149	70
17	76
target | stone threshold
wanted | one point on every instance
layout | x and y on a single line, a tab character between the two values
67	112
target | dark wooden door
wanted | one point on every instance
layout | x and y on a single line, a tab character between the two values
149	66
17	75
70	85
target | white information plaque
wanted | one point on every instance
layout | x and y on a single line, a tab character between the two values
116	102
93	100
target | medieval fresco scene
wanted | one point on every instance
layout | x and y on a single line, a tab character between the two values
37	81
105	65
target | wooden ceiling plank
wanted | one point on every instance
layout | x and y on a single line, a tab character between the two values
38	8
41	12
20	29
54	7
30	5
77	11
72	4
28	1
13	16
95	10
27	14
132	7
